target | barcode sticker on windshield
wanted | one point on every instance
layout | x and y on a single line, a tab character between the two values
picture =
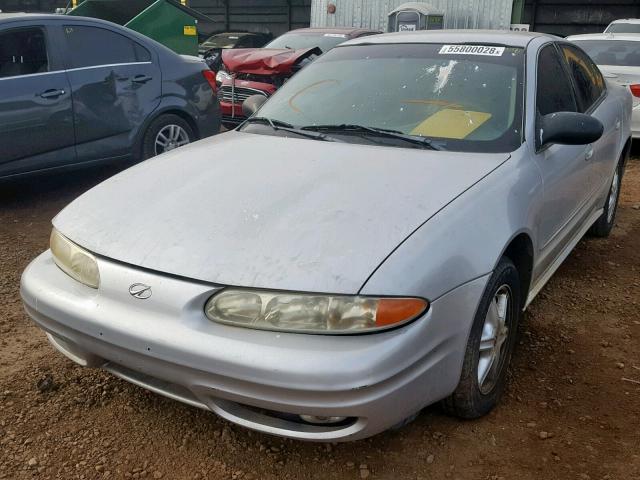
487	50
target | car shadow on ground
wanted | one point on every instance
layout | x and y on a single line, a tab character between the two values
29	190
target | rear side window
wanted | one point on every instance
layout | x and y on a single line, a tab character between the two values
23	51
94	46
622	27
554	91
586	77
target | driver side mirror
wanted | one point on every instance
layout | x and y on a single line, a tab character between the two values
568	128
252	104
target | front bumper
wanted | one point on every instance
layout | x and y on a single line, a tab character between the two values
232	114
258	379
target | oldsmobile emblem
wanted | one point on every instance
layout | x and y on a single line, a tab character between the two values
140	290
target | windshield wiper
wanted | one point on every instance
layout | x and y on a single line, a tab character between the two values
287	127
348	127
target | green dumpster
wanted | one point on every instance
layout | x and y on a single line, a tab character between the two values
166	21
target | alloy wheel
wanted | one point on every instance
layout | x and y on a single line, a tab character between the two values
495	332
613	196
169	138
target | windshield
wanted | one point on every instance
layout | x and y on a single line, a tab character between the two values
612	52
465	102
295	41
623	28
222	40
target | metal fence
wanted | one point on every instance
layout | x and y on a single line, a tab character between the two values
373	13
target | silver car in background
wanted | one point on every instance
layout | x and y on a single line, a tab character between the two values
618	57
624	25
363	246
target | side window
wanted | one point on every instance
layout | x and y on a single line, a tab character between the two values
23	51
586	76
245	42
142	54
93	46
554	92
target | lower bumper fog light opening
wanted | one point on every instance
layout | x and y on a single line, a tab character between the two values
318	420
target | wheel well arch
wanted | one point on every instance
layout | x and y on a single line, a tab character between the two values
182	114
520	252
170	110
626	150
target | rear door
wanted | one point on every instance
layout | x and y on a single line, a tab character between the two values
36	118
591	94
116	84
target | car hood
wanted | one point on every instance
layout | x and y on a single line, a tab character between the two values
264	211
265	61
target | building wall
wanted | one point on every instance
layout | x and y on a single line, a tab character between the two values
268	16
569	17
373	13
48	6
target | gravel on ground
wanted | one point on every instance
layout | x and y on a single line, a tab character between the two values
572	409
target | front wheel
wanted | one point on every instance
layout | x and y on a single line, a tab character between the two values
166	133
604	224
490	345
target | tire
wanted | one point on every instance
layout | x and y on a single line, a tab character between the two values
170	125
473	398
603	226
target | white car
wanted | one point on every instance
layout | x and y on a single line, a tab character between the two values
624	25
618	57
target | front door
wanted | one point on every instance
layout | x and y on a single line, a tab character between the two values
36	117
590	93
566	169
116	84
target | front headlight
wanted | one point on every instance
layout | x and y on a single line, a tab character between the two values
310	313
74	260
221	76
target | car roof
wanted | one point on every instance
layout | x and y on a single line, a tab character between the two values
626	20
606	36
349	31
15	15
10	17
239	34
501	37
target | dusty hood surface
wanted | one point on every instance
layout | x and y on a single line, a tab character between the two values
265	61
264	211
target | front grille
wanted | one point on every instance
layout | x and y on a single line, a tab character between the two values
239	95
237	120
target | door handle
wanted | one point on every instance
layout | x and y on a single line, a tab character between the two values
618	124
53	93
141	79
588	154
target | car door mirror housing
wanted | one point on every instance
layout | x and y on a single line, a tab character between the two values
568	128
252	104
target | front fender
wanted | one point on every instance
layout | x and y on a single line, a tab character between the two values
466	239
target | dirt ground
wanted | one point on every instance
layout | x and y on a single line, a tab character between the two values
572	410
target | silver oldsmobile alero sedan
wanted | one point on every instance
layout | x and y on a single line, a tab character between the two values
363	246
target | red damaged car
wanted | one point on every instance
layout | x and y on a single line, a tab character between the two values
252	71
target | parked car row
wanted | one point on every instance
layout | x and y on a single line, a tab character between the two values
136	99
362	246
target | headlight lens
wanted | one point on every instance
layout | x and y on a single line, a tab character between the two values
221	76
309	313
74	260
